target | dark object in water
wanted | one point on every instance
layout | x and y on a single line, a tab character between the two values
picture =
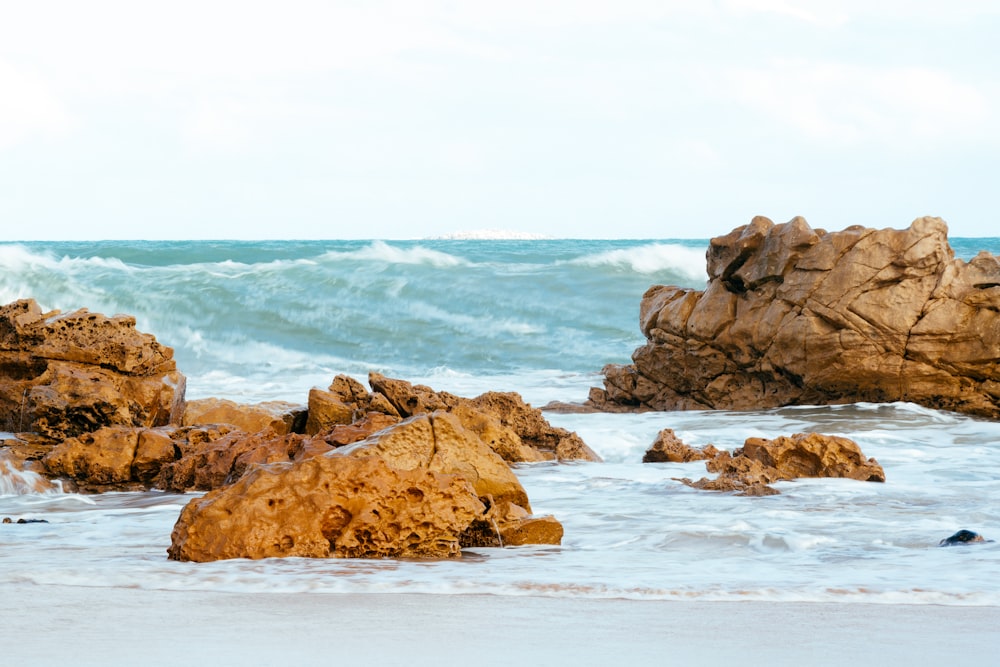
962	537
7	519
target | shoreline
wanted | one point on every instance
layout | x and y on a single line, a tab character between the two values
121	626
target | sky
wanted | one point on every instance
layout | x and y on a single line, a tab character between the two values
568	118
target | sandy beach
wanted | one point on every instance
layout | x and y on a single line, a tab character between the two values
49	625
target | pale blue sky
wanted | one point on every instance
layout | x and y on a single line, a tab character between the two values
638	119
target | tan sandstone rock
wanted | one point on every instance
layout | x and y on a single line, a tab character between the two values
793	315
516	431
103	457
280	417
668	448
328	506
438	442
69	374
760	462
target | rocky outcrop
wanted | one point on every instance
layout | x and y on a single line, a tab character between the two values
795	315
514	429
760	462
372	515
668	448
64	375
328	506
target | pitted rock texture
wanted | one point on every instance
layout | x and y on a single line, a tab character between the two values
328	506
63	375
793	315
438	442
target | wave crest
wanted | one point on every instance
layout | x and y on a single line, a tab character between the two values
652	258
380	251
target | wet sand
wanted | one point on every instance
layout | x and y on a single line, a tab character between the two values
59	625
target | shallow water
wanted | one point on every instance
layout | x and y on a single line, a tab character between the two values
263	321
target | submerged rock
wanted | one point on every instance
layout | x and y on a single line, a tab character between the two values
68	374
795	315
760	462
961	538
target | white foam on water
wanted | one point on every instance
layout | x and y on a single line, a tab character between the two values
382	252
652	258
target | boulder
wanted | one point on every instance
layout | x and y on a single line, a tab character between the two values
760	462
327	410
280	417
668	448
63	375
98	459
795	315
328	506
506	524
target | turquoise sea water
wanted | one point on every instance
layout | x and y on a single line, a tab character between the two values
268	320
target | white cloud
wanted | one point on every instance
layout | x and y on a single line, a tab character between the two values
838	103
836	13
30	109
819	13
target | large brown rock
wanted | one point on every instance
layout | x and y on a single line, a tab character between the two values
751	469
63	375
280	417
328	506
793	315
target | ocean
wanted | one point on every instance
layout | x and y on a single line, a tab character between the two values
254	321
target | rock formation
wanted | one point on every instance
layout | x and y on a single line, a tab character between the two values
328	506
427	486
793	315
63	375
760	462
514	429
668	448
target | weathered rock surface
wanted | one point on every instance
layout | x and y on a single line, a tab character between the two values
793	315
328	506
668	448
438	442
63	375
514	429
278	416
101	458
371	515
760	462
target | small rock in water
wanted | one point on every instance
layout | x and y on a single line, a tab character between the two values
962	537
